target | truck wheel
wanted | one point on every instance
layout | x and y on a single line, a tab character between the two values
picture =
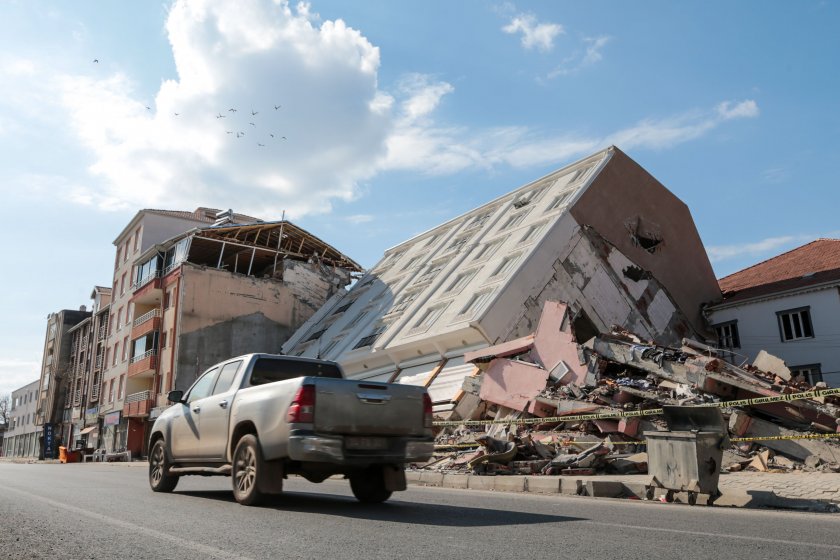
369	486
247	471
159	479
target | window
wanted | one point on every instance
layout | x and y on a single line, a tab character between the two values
111	391
326	349
166	299
163	339
267	370
136	239
344	307
506	266
121	389
125	251
810	373
532	232
226	377
461	280
372	336
316	335
110	323
559	200
489	249
475	303
125	348
430	316
515	220
414	261
795	324
433	270
458	243
203	386
107	355
119	253
122	283
116	351
119	318
727	335
527	198
480	219
404	301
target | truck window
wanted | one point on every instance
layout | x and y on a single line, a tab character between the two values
266	370
226	377
202	387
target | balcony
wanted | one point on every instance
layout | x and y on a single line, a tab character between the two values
146	323
143	365
147	290
103	331
138	404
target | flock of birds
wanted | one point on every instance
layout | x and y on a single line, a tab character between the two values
233	111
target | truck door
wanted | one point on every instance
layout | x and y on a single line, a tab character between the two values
185	425
215	414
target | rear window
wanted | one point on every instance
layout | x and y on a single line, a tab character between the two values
268	370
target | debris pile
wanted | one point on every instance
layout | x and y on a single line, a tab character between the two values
547	404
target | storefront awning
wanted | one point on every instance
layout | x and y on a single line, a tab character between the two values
87	430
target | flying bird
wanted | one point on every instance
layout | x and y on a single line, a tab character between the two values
253	112
277	107
283	137
252	124
258	144
229	131
96	60
220	116
149	108
232	110
177	114
271	135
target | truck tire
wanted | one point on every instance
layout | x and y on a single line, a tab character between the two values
369	486
159	479
248	469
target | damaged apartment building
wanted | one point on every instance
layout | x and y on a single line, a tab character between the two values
601	234
221	291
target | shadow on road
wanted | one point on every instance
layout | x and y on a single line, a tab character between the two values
392	511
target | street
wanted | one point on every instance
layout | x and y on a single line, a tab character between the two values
108	511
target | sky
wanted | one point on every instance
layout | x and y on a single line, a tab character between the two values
370	122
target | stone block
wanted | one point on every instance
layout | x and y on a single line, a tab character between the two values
431	478
477	482
543	484
603	488
510	483
413	476
570	485
455	481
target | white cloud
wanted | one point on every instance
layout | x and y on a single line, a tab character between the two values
534	34
590	54
744	109
15	374
357	219
719	253
594	45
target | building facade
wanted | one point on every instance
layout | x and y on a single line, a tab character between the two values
788	306
601	234
21	438
52	414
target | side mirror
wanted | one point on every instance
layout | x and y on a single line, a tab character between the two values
175	396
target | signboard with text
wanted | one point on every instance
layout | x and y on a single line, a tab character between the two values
49	441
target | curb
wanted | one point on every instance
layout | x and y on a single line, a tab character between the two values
594	488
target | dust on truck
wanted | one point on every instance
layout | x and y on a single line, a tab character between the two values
259	418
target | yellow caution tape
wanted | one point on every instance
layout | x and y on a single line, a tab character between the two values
642	442
639	413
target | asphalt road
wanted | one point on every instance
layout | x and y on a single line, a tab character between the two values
103	511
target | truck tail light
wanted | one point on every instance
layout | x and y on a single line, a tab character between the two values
427	410
302	409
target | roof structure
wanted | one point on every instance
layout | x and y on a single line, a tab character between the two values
811	264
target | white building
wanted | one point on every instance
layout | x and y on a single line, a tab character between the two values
601	234
22	434
789	306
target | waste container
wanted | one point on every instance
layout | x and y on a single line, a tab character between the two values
687	457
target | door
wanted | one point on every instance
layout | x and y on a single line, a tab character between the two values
185	423
215	414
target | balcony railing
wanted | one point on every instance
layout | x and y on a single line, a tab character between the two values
143	356
138	404
144	364
140	282
146	316
103	331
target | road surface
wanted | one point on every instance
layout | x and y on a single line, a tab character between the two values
105	511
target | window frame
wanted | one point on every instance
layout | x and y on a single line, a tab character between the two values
734	335
800	312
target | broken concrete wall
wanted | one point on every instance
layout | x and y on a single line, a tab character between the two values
222	314
654	229
603	288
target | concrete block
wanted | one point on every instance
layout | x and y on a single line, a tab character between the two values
603	488
543	484
570	485
477	482
413	476
634	489
455	481
431	478
511	483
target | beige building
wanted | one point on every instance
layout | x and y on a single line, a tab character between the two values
21	438
601	234
215	292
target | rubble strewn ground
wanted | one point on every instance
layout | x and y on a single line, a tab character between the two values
532	393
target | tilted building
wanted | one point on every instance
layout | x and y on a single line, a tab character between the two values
601	234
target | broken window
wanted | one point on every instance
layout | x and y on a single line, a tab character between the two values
371	337
344	307
527	198
404	301
458	243
316	335
727	335
433	271
645	235
812	373
480	219
795	324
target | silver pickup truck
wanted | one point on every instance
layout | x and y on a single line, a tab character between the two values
261	417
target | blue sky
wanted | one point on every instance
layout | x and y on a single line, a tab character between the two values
396	117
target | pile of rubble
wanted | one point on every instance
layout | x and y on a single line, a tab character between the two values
532	407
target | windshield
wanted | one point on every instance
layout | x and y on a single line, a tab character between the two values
267	370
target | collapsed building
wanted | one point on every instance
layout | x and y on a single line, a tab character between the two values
601	234
549	403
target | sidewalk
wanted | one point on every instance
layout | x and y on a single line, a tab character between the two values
800	491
